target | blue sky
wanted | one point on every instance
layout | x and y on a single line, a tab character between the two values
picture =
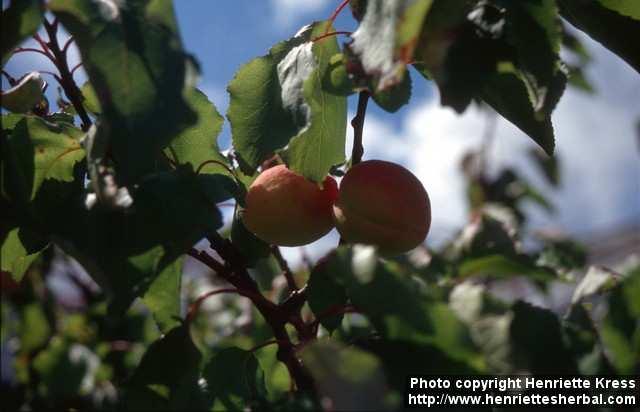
596	142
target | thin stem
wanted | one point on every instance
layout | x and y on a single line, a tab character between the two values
335	13
212	161
284	266
69	86
32	50
54	75
44	46
65	48
358	125
333	33
76	67
10	79
195	306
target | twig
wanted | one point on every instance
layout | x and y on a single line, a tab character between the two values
76	67
195	306
10	79
276	316
284	266
65	48
335	13
69	86
54	75
358	125
30	49
333	33
213	161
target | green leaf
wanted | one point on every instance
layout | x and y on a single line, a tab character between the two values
37	151
507	92
126	251
321	144
163	296
596	281
485	236
66	369
609	22
534	31
19	21
278	99
500	266
235	379
403	359
620	332
563	254
22	97
336	79
135	62
90	99
624	7
167	370
393	98
325	293
386	37
197	144
250	247
259	122
368	281
335	368
20	248
34	328
537	342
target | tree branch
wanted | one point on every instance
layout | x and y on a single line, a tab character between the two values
277	316
69	86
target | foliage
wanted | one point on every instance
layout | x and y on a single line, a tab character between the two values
127	177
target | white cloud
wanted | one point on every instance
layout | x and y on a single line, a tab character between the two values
596	144
286	13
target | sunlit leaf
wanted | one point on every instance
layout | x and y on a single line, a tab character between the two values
134	59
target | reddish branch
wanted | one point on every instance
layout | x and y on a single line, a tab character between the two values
335	13
235	272
195	306
59	58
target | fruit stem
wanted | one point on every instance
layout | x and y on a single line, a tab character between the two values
358	125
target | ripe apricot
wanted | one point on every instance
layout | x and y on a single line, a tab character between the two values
283	208
382	204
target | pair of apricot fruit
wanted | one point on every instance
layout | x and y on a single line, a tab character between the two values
379	203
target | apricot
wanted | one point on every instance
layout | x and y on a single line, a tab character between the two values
382	204
283	208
